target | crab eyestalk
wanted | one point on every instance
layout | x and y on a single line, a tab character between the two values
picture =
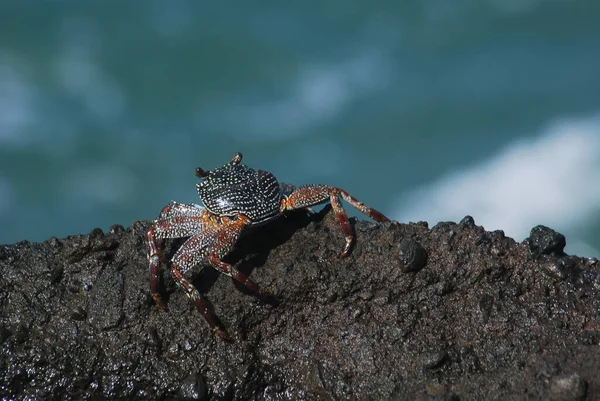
201	173
237	158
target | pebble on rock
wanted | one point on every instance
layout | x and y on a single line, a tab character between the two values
467	221
568	387
546	241
193	387
413	257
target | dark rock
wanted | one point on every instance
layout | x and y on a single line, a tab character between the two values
96	233
568	388
479	322
53	241
116	229
467	221
438	392
106	300
78	313
500	234
150	337
444	226
413	257
546	241
484	306
434	359
193	388
555	268
482	239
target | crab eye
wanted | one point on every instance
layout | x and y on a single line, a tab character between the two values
237	158
201	173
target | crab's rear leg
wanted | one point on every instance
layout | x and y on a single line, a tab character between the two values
310	195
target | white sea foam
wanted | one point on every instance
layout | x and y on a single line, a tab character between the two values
551	180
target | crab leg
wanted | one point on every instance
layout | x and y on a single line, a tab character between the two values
154	264
194	295
176	220
342	219
211	245
310	195
191	253
220	242
238	276
182	209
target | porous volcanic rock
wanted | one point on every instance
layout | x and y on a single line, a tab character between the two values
478	316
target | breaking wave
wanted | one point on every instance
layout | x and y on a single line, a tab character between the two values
552	179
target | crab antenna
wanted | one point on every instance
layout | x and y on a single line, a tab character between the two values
200	173
237	158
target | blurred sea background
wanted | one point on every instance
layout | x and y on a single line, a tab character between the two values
426	110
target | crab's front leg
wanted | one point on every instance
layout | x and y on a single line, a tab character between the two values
154	265
176	220
174	209
310	195
211	245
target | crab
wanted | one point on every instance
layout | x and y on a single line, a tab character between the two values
234	198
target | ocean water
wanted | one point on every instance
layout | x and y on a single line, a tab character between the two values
427	110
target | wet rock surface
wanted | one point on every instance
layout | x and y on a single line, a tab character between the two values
412	256
544	240
482	317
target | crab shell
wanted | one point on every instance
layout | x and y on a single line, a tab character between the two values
236	189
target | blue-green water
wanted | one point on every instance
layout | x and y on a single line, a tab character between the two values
425	110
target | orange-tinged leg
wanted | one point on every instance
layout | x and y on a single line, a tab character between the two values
195	251
154	259
211	245
342	219
310	195
367	210
220	246
238	276
176	220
